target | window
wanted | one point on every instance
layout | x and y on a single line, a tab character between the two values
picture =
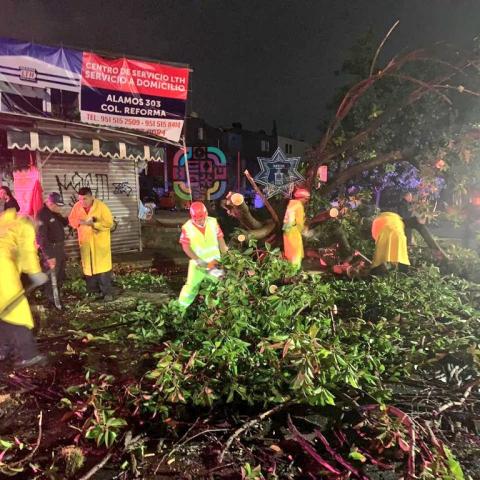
21	104
288	148
265	145
65	104
201	133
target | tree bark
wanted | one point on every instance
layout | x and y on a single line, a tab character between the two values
252	228
261	233
239	209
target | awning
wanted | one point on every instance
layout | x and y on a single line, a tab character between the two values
83	145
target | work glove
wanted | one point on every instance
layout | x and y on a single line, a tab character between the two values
37	280
201	263
216	272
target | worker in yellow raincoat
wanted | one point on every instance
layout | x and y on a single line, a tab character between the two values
203	243
293	225
93	221
18	254
388	231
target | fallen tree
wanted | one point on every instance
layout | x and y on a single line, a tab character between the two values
252	229
417	109
364	378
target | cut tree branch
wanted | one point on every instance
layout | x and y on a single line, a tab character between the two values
460	402
382	43
23	461
250	424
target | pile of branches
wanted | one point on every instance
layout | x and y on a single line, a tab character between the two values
261	338
315	376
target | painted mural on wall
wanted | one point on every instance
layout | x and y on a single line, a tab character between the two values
207	167
279	174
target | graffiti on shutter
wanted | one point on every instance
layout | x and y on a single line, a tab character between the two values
69	185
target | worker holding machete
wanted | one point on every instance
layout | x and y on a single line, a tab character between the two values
51	242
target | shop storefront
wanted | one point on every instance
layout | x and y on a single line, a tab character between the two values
67	159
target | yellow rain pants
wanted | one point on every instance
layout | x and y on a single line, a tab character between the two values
205	246
195	277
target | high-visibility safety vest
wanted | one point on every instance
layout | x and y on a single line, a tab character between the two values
205	246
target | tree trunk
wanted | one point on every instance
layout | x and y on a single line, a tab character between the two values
238	208
252	228
261	233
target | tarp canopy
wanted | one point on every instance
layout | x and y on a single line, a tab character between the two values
112	91
88	145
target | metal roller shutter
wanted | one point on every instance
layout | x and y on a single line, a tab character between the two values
112	181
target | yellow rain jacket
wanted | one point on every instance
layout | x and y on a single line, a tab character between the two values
94	240
293	224
17	255
388	231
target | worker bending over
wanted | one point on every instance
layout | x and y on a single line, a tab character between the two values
202	241
293	225
18	255
388	231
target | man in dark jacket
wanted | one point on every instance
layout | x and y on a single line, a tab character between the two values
51	239
9	200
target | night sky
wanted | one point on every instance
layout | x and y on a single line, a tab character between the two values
254	60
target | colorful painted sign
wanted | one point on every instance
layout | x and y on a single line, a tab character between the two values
207	167
116	92
279	174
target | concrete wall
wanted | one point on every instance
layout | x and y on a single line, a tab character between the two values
298	147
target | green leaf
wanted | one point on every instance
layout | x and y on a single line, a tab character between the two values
116	422
6	444
356	455
454	466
